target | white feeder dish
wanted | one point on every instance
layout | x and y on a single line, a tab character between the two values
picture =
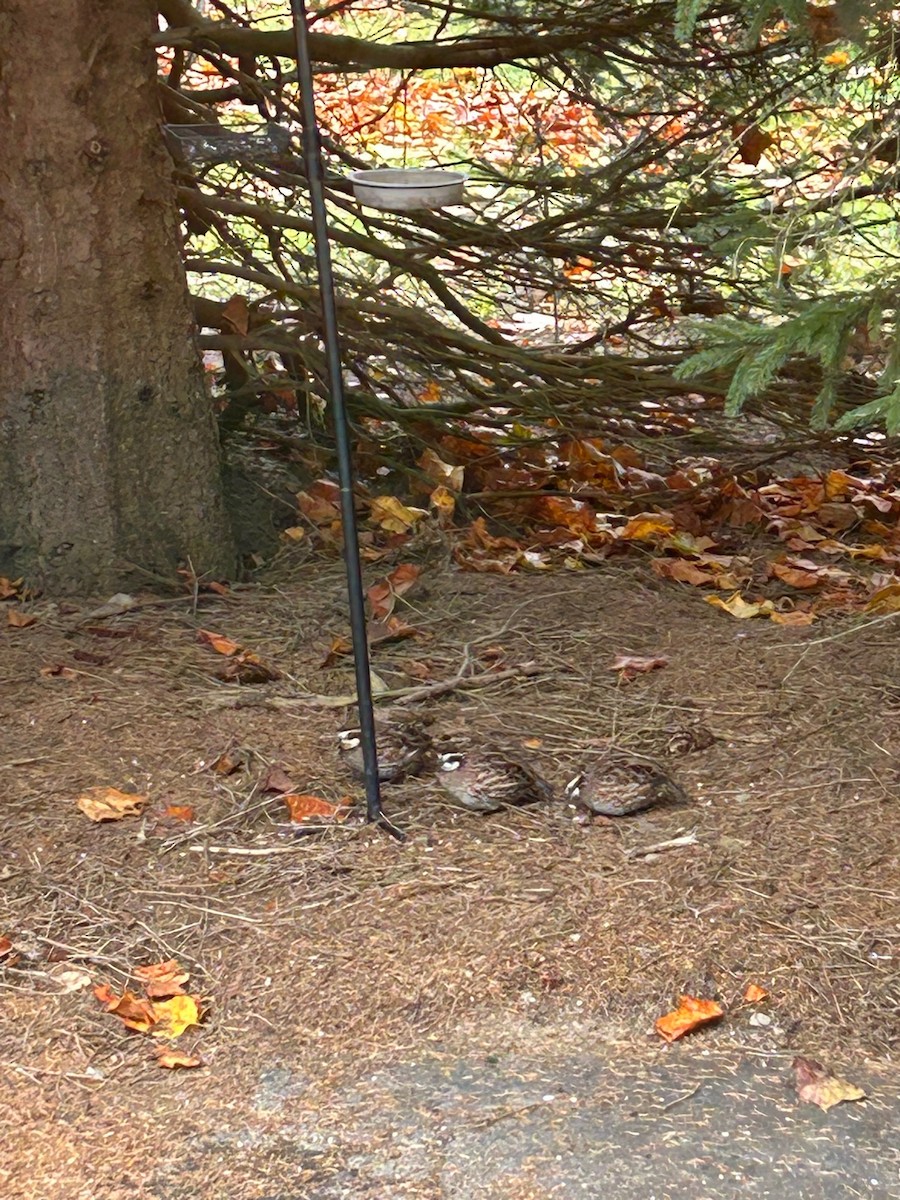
394	190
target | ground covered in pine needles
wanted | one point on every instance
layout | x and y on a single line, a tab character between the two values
353	987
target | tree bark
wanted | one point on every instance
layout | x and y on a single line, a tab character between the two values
109	456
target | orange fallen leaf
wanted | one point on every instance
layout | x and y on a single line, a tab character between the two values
132	1010
162	980
247	668
109	804
227	762
175	1015
179	812
221	645
754	994
170	1059
690	1015
16	619
795	577
630	666
646	527
683	571
5	946
340	646
443	502
816	1085
294	533
838	58
309	808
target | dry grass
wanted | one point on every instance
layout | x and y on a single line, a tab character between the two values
476	934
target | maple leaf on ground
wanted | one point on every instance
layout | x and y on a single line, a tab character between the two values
816	1085
132	1010
691	1013
175	1015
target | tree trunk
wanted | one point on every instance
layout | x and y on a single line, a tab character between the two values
109	456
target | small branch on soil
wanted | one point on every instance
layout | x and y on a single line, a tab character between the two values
244	699
687	839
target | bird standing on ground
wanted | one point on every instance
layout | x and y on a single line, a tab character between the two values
617	784
488	779
404	748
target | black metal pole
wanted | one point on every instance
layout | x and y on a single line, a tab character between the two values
312	149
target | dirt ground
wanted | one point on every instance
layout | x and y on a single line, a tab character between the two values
346	975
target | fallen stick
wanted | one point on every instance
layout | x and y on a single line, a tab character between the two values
245	699
686	839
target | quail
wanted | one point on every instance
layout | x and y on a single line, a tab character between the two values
489	779
617	784
403	749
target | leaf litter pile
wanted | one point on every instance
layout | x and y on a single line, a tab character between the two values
188	884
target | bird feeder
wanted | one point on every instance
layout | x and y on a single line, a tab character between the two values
405	190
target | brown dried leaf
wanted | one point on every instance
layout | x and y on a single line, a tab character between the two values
816	1085
109	804
738	607
5	946
277	780
16	619
9	587
647	527
237	313
796	577
221	645
382	596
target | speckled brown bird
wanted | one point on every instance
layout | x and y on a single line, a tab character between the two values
487	779
617	784
403	749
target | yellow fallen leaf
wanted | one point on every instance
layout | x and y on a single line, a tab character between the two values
792	618
741	608
393	515
647	526
176	1015
885	600
443	502
109	804
294	533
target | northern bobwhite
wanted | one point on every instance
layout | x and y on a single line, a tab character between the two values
488	779
403	749
617	784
